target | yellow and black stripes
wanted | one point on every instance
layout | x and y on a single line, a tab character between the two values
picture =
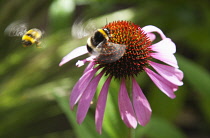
31	37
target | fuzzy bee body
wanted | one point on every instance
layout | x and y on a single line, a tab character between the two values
104	50
98	44
31	37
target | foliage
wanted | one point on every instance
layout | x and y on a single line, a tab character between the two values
34	90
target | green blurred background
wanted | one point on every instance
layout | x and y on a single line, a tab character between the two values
34	90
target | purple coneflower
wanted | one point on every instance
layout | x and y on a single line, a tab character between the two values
130	53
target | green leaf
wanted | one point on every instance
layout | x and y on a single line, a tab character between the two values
159	128
199	79
87	128
165	107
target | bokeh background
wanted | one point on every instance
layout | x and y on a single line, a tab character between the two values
34	90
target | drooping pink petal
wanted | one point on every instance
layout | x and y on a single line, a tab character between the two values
167	58
141	105
80	86
151	36
73	54
101	104
151	28
125	107
164	46
174	75
164	85
87	96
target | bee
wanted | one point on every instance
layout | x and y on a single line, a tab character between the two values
32	36
29	37
98	44
104	50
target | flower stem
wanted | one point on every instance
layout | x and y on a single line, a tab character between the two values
131	133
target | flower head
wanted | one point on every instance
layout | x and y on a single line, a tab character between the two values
122	50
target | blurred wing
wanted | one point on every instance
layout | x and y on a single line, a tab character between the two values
17	28
110	52
82	29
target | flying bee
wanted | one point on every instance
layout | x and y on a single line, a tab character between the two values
32	36
99	44
29	37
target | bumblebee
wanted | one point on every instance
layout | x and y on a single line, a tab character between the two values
32	36
99	44
104	50
29	37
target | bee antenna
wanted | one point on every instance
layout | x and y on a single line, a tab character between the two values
106	21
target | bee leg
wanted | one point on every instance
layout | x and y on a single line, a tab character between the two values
38	44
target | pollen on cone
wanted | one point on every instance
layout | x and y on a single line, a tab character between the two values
137	51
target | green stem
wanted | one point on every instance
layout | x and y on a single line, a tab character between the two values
131	133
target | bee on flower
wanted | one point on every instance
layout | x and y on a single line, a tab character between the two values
122	50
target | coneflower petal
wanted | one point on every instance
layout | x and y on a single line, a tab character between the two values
171	74
73	54
164	46
89	66
86	98
164	85
151	28
151	36
80	86
101	104
125	106
141	105
169	59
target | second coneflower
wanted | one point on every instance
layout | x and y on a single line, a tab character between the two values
122	50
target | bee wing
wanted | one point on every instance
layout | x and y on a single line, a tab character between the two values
81	29
17	28
110	52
